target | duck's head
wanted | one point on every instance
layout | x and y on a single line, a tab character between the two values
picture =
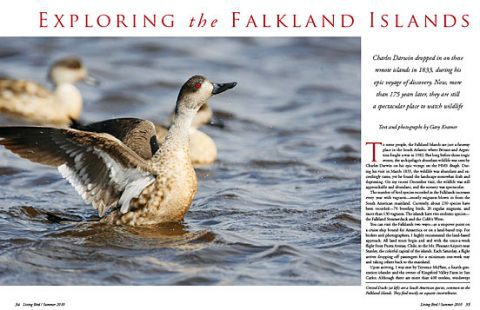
195	93
69	70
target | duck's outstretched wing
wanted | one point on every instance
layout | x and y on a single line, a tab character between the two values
138	134
103	170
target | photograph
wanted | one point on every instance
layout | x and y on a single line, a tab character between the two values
169	161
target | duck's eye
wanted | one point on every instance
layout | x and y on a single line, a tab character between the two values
198	85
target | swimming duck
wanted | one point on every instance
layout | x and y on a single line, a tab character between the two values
32	102
137	181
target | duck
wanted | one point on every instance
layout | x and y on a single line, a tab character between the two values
121	169
35	104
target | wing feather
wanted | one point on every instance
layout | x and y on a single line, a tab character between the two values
20	87
138	134
103	170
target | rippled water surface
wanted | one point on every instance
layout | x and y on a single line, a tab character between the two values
280	207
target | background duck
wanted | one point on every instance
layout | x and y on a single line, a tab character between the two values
34	103
120	175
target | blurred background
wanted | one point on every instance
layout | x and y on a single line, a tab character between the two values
281	206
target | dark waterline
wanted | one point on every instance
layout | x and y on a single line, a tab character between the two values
280	207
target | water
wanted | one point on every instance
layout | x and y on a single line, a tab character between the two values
280	207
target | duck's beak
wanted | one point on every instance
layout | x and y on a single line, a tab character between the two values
220	88
90	80
216	122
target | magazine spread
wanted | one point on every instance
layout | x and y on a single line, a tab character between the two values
273	154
